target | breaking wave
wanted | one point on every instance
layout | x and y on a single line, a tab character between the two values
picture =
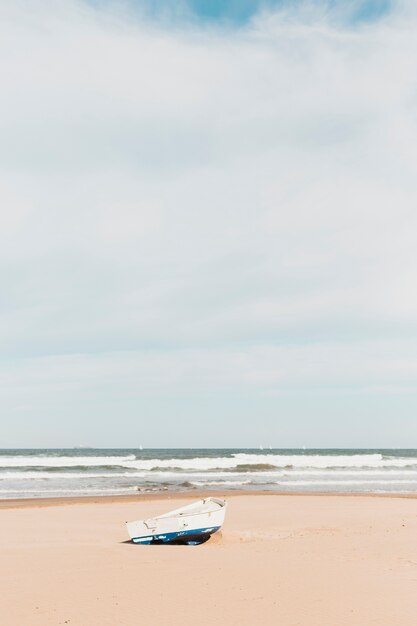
65	461
242	462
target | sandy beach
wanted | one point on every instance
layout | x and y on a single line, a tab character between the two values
323	560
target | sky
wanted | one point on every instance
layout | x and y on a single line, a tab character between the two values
208	223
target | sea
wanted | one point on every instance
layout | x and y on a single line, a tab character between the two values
40	473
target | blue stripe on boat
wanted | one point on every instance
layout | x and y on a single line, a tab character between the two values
180	534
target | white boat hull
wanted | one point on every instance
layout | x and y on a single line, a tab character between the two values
192	524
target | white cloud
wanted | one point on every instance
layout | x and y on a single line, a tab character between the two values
216	193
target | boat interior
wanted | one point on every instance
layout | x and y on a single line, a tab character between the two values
208	505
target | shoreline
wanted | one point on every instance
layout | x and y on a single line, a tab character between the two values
26	503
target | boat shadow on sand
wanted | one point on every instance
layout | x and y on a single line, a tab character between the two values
214	539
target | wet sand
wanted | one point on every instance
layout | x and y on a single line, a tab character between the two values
292	560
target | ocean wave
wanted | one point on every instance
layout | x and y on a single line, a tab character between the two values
255	467
238	462
47	475
273	461
65	461
358	472
220	483
182	475
88	490
309	483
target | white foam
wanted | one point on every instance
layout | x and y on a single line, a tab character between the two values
220	483
182	476
357	472
309	483
318	461
45	475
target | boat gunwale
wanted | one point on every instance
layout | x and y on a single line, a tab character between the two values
183	512
192	509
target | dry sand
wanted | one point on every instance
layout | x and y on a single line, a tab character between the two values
280	560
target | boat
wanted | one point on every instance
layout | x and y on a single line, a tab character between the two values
192	524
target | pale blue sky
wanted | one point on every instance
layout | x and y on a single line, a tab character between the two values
207	224
237	13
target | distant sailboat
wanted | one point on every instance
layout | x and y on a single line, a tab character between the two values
261	447
140	447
